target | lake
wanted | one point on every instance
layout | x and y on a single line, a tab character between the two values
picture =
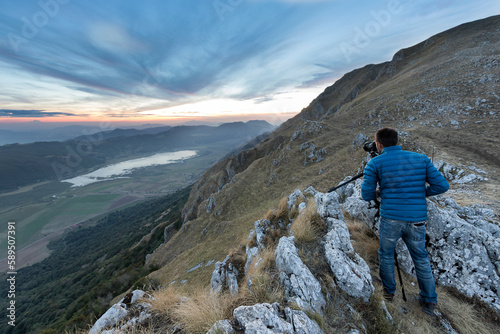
116	171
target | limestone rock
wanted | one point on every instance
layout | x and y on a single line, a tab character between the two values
300	284
359	141
221	327
225	276
464	255
351	272
122	310
311	153
252	253
112	316
267	318
261	228
294	197
327	204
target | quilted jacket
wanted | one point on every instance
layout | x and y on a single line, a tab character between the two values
402	177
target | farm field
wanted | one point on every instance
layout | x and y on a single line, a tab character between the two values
44	211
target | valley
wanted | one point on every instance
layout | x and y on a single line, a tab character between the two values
44	211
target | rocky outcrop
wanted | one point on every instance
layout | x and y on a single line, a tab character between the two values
299	283
126	314
224	277
458	175
465	252
463	242
351	272
266	318
311	153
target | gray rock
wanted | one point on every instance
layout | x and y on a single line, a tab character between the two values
359	141
112	317
225	276
350	271
221	327
464	255
261	228
251	255
266	318
300	284
311	153
293	198
328	205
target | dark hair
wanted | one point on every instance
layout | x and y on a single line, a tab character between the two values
387	137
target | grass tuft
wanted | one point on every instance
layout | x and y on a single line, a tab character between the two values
308	226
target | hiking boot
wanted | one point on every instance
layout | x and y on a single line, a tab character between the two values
428	308
388	296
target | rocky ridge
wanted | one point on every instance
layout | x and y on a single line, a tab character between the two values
427	92
463	242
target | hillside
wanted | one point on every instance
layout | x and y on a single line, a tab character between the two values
440	94
24	164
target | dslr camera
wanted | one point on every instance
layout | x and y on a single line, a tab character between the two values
371	147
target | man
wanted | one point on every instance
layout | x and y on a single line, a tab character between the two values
402	177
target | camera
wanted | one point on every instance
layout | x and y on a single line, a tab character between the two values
371	147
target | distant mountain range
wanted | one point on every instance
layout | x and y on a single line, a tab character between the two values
25	136
24	164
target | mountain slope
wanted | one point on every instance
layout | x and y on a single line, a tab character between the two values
440	94
25	164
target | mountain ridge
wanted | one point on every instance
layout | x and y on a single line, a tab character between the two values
439	94
44	161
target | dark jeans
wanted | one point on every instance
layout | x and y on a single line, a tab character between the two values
413	234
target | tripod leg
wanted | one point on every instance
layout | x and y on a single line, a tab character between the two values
399	274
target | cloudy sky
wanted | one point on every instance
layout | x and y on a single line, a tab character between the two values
82	60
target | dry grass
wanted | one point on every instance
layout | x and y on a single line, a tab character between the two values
465	316
363	240
265	287
195	313
307	226
282	211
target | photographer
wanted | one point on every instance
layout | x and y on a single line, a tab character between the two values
402	177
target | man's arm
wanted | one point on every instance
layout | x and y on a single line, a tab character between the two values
369	186
437	184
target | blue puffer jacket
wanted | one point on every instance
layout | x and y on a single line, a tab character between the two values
402	177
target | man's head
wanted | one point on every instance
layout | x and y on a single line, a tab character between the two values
386	137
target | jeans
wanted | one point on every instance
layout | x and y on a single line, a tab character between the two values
413	234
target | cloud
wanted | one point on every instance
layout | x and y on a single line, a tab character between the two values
31	113
127	56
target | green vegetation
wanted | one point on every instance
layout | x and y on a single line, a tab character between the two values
90	266
22	165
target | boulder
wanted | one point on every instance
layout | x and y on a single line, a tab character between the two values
464	253
125	309
225	276
300	284
327	204
261	228
267	318
294	198
350	271
221	327
112	317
